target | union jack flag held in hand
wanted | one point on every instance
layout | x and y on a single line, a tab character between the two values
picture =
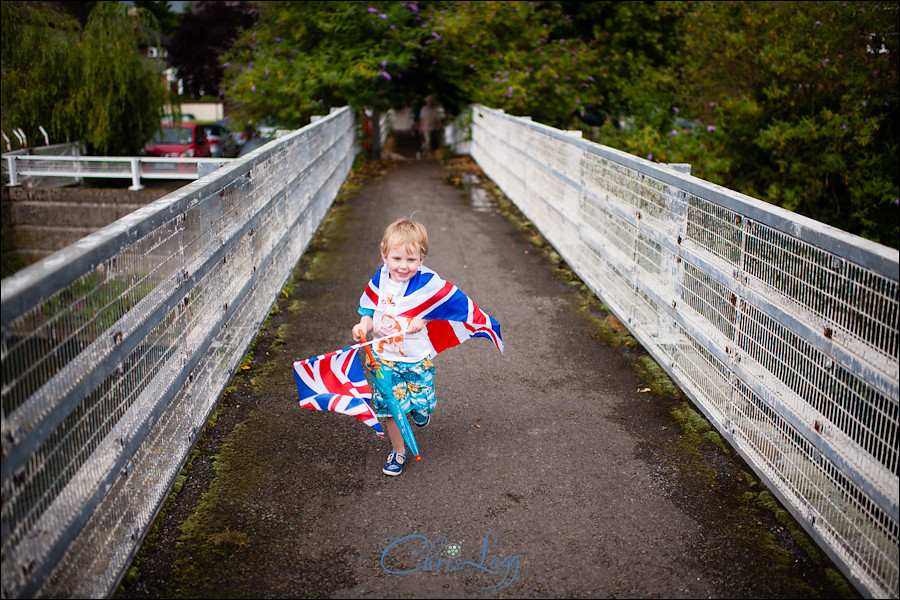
336	382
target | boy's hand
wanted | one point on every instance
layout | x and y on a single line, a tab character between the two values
361	328
415	326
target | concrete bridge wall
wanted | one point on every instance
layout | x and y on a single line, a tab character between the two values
39	221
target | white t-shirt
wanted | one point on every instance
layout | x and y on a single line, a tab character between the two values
429	118
413	347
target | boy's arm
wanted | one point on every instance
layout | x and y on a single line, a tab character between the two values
362	328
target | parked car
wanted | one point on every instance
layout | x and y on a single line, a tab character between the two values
221	142
241	138
179	139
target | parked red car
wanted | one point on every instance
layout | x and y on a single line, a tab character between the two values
179	139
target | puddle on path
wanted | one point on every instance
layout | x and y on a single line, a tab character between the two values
481	200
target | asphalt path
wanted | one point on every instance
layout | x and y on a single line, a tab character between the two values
546	470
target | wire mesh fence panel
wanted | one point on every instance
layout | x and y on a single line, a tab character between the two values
783	331
116	349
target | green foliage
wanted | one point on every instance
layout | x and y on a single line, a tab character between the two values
162	11
300	59
120	96
509	60
549	60
794	103
86	84
37	66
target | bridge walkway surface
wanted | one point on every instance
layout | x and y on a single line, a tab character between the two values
547	471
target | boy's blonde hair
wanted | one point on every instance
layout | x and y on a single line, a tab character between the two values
404	232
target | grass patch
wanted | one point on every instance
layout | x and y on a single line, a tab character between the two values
230	538
656	378
152	538
768	502
212	534
697	428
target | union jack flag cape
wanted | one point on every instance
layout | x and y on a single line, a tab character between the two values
451	316
336	382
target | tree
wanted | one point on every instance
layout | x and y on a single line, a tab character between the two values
510	55
37	68
530	58
203	33
794	103
87	84
166	19
555	61
803	97
299	59
120	96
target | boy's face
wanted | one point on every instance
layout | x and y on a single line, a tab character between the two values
402	262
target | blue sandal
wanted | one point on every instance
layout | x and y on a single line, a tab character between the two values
394	464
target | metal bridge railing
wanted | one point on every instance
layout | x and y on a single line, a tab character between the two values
782	330
69	149
116	349
19	166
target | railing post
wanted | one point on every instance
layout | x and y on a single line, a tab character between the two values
77	150
13	177
136	174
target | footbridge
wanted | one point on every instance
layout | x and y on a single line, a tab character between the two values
782	331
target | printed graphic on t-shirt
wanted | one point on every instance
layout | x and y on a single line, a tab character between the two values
389	325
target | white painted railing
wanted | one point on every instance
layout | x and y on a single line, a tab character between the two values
19	166
117	348
782	330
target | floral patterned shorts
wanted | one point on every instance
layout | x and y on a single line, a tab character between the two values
413	388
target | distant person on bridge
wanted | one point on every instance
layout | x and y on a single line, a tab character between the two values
406	298
430	125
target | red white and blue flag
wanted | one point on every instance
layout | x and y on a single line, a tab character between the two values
336	382
451	316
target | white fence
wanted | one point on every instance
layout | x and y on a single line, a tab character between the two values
782	330
115	351
20	167
69	149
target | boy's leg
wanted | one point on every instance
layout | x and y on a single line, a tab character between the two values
394	434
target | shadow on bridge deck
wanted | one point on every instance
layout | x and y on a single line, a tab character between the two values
546	471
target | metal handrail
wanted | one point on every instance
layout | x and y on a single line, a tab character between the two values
117	348
782	330
120	167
